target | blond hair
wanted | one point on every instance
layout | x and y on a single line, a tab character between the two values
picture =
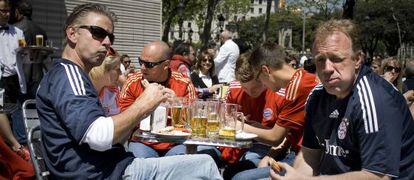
97	74
347	27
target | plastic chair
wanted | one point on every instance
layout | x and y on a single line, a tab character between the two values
34	143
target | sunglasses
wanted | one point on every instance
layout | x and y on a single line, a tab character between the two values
99	33
205	60
4	11
390	68
149	64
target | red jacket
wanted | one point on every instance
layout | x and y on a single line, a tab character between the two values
181	64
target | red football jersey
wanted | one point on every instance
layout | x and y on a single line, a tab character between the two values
288	108
132	88
263	109
292	112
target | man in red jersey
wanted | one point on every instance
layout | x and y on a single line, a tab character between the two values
154	60
257	102
270	68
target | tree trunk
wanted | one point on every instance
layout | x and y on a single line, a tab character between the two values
266	24
205	36
167	25
348	7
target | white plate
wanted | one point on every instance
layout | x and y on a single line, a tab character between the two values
172	134
245	136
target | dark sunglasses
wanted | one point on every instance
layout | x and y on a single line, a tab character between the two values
390	68
99	33
149	64
4	11
205	60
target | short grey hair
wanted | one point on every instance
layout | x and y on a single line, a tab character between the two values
226	34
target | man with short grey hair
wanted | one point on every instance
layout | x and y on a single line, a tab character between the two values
225	60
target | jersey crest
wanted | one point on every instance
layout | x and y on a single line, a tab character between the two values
342	128
267	113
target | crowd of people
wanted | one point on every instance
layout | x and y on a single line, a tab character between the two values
330	116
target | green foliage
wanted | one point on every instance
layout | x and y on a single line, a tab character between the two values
251	30
379	27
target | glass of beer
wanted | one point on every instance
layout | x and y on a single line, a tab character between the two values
199	116
228	115
176	108
213	120
39	40
22	42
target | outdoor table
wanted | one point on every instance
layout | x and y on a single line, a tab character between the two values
191	143
37	54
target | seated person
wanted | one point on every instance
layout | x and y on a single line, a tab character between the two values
204	77
183	57
78	140
105	80
154	60
268	60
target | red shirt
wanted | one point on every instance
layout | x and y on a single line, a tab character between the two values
262	109
287	106
292	112
132	88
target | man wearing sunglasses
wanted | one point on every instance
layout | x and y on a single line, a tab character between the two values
78	140
155	67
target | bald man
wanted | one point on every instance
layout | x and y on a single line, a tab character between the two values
225	60
155	60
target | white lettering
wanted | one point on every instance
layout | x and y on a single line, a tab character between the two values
334	150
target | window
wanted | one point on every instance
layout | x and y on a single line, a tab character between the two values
189	25
235	18
252	10
252	1
260	1
260	10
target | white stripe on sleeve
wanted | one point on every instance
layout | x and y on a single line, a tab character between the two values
69	75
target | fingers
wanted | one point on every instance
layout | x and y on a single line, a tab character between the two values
274	175
145	83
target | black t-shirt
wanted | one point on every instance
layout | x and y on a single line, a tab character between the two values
371	129
68	104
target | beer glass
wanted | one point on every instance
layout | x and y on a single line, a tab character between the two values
228	116
176	108
22	42
39	40
213	118
199	116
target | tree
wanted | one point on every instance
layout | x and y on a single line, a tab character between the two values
170	13
348	9
325	9
384	22
266	24
205	36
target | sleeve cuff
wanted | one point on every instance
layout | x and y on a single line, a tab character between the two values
100	134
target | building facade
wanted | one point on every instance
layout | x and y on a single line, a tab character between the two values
139	22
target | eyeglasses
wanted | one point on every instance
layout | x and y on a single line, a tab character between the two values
4	11
149	64
99	33
205	60
390	68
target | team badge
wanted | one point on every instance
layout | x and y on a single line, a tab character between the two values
267	113
342	128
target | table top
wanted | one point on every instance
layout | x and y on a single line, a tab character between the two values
37	53
219	142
